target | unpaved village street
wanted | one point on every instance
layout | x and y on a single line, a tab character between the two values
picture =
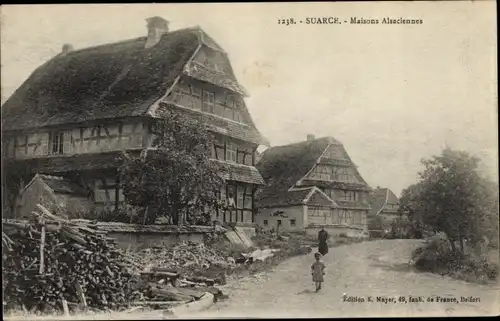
374	268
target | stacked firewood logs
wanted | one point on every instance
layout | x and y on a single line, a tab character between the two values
189	259
50	264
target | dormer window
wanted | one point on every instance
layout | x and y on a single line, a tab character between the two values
56	143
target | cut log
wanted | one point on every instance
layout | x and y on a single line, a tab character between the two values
42	247
208	281
169	293
80	294
65	307
211	289
162	274
203	303
190	292
76	238
50	215
160	303
160	269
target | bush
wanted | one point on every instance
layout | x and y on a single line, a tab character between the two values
438	257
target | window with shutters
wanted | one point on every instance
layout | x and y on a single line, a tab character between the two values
56	143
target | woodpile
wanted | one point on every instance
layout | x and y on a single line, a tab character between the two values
51	264
195	261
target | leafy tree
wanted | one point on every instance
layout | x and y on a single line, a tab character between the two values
451	197
411	206
175	179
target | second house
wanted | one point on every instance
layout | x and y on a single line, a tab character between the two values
310	185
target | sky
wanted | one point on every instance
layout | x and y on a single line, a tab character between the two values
392	94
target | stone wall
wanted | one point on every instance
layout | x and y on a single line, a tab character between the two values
137	236
137	241
336	230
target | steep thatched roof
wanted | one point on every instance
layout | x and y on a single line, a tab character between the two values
379	198
282	166
109	81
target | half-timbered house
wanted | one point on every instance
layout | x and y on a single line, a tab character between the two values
78	111
384	204
312	184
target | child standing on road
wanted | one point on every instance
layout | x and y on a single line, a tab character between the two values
318	270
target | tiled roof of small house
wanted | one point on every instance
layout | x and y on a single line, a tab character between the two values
59	185
380	197
290	198
63	186
108	81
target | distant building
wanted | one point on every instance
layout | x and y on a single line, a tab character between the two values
309	185
385	204
78	111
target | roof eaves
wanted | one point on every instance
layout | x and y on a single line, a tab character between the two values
308	196
385	202
30	183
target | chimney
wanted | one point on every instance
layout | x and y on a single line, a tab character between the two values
67	48
310	137
157	27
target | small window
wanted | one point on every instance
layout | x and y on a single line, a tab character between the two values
208	101
228	113
279	222
56	143
293	222
239	200
231	155
266	222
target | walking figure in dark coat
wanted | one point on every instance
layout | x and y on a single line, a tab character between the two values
322	239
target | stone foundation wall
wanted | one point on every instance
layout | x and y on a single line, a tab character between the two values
137	241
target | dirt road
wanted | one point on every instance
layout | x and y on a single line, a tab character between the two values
374	268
